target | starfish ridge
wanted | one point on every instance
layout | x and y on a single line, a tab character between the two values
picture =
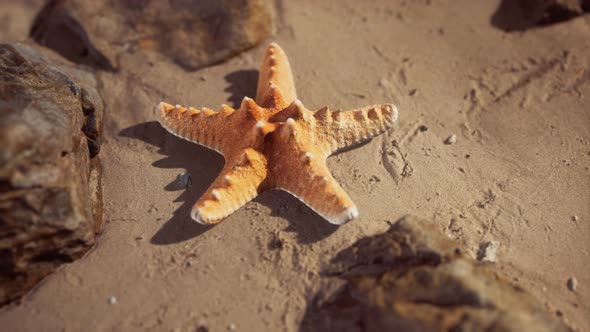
275	143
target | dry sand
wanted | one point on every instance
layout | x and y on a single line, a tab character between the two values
518	173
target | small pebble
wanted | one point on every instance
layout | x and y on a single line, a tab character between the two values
232	327
189	263
139	238
451	139
575	218
112	300
572	284
423	128
487	251
202	328
184	179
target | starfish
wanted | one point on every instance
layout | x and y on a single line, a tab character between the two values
274	142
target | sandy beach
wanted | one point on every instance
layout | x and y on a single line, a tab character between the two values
517	171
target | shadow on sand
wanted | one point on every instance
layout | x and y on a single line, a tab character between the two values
242	83
204	165
200	162
520	15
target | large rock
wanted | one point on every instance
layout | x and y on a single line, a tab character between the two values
192	33
413	278
50	191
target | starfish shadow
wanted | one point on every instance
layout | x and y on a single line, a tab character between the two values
201	163
241	83
204	165
309	226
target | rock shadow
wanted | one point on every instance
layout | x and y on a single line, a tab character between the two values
520	15
54	29
202	164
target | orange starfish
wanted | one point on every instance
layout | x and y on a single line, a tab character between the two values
275	143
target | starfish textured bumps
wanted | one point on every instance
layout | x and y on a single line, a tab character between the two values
275	143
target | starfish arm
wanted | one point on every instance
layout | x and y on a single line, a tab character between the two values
343	129
276	87
198	126
235	186
221	131
318	189
299	168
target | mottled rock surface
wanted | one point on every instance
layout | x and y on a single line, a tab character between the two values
192	33
50	191
413	278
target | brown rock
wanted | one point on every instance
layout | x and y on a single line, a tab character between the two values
192	33
50	192
413	278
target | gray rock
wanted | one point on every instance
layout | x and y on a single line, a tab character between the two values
413	278
192	33
50	191
572	284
